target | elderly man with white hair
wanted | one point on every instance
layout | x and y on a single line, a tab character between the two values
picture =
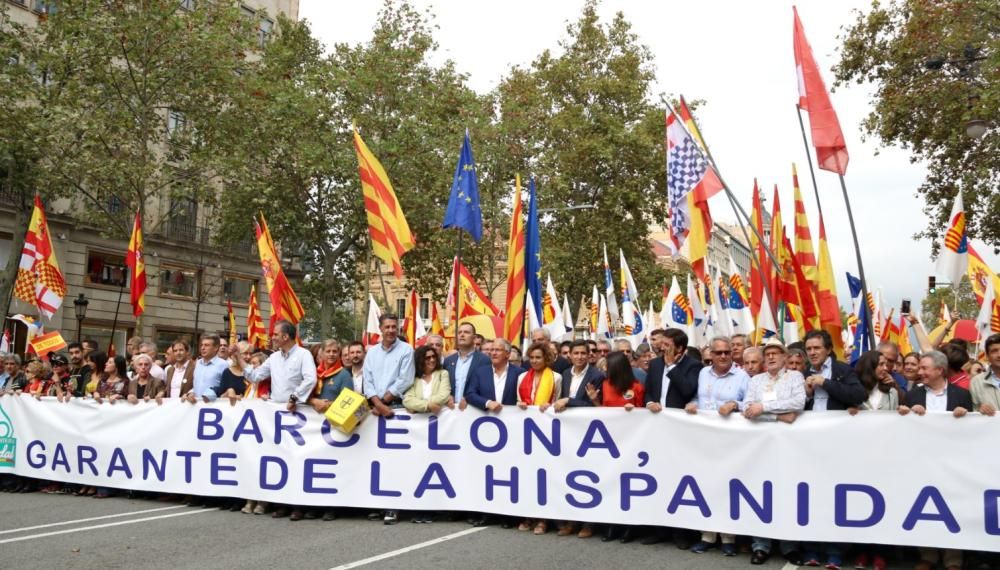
144	386
156	371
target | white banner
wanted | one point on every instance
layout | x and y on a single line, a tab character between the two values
875	477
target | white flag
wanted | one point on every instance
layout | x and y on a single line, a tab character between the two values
989	314
953	261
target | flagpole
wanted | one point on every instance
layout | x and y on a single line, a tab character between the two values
737	208
812	171
857	252
114	323
458	284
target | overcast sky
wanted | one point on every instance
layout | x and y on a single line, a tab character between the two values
737	56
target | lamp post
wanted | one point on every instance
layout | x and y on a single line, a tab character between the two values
968	70
80	306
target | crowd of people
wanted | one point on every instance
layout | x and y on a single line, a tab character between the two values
766	383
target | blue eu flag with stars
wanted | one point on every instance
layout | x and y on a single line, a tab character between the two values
463	204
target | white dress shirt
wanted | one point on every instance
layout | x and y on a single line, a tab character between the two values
665	384
575	381
178	378
937	402
820	396
292	372
499	383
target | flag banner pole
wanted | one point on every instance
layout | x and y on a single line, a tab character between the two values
458	284
857	252
381	278
738	209
114	323
753	258
812	170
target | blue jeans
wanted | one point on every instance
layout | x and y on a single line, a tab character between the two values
764	544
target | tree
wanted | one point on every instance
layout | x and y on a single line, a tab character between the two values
410	112
584	123
935	66
126	106
967	306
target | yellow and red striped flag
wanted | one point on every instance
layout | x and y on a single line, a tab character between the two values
40	282
436	327
256	335
803	237
758	279
980	275
137	268
232	322
829	307
285	304
390	234
513	324
413	325
46	343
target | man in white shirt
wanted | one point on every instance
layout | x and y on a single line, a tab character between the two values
936	394
355	359
573	388
291	368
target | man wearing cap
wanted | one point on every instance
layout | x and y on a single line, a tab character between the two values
61	376
775	394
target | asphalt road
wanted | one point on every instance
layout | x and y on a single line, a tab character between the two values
60	531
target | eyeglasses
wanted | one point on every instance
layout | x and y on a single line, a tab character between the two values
430	357
603	351
594	350
722	352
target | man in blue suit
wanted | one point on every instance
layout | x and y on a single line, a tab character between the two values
490	389
495	386
576	379
461	364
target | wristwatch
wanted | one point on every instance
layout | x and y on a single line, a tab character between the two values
293	399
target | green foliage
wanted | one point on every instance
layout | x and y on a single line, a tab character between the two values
967	307
926	110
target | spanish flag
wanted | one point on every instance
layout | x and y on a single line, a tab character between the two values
436	327
256	335
980	275
137	268
826	298
285	304
758	279
513	324
46	343
40	282
390	234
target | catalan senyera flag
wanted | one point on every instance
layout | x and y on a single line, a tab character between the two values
783	284
513	325
40	282
137	268
285	304
980	275
48	342
231	316
827	138
826	294
390	234
803	237
256	335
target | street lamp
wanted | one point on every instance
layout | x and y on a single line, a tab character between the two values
968	70
80	306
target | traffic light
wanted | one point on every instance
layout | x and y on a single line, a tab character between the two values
931	284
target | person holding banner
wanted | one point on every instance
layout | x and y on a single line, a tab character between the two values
753	361
180	375
430	393
207	370
388	369
114	382
775	394
462	363
985	390
936	394
15	377
883	392
537	387
144	386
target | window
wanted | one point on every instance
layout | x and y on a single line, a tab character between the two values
166	337
178	281
115	205
237	289
101	332
106	269
187	5
425	308
264	28
175	122
183	222
400	307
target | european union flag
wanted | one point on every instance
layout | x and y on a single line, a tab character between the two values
533	252
855	285
463	204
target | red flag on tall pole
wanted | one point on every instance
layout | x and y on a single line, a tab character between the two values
137	268
831	149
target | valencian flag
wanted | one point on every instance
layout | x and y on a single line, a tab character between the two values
831	149
137	268
980	275
40	282
256	335
533	261
953	261
739	301
691	181
513	325
463	205
390	234
284	303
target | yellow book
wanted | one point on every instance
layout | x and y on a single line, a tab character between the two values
348	411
